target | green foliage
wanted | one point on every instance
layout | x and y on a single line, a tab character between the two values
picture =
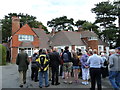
2	55
61	23
104	13
7	23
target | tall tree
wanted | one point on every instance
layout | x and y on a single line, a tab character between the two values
117	13
104	13
105	16
6	24
61	23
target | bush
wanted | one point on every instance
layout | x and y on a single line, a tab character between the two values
2	55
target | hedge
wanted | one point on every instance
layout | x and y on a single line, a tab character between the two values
3	54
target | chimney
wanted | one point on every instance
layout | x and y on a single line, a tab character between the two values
53	31
80	28
40	26
15	24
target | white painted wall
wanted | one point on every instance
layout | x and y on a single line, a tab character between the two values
80	47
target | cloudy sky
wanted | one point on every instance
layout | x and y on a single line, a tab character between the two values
46	10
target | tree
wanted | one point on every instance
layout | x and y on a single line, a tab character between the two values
87	26
104	13
7	24
105	16
61	23
117	13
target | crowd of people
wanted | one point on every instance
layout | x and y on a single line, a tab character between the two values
88	65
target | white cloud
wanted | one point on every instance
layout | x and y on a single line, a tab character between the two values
46	10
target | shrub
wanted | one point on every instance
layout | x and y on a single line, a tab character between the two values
2	55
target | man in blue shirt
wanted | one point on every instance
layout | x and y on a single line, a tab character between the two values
95	63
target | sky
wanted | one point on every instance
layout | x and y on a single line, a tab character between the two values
46	10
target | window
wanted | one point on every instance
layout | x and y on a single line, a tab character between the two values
25	38
29	51
93	38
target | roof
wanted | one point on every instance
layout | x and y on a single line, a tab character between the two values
25	30
26	44
88	34
67	38
100	42
43	38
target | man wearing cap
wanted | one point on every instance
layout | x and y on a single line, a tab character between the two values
114	69
22	62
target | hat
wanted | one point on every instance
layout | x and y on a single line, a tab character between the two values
118	48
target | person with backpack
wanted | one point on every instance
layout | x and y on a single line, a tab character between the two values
43	64
34	67
67	64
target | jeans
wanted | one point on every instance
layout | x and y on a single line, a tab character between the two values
114	77
45	73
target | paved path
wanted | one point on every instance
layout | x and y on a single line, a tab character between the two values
10	79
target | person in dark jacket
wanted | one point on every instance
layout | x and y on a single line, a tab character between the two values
22	62
55	62
34	67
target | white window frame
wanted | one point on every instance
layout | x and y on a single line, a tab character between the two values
25	37
26	50
92	38
102	48
80	47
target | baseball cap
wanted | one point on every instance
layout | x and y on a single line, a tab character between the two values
118	48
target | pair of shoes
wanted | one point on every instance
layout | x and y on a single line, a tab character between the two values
57	83
47	85
21	86
24	82
40	87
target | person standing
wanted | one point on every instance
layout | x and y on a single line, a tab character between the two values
114	69
95	62
22	62
43	64
34	67
85	68
67	65
75	67
55	62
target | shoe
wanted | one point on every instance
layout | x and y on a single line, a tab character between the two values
70	82
87	83
83	83
52	83
57	83
21	86
50	80
65	82
40	87
47	86
36	80
24	82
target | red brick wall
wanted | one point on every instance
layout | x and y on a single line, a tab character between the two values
93	44
14	52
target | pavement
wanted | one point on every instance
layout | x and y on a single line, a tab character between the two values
9	78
